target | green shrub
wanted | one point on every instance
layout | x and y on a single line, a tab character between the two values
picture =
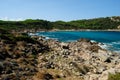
3	31
25	38
9	37
114	76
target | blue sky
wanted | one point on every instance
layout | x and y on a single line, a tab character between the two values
53	10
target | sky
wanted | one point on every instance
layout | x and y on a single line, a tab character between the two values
54	10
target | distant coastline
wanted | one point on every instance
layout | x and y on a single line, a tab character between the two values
84	30
54	30
34	25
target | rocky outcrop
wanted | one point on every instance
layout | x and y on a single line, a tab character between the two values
118	27
53	60
83	58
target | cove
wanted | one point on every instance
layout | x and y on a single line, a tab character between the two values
110	39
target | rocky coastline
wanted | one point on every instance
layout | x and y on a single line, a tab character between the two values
49	59
83	60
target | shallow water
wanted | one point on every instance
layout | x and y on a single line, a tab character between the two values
111	39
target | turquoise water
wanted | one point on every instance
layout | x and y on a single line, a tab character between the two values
111	39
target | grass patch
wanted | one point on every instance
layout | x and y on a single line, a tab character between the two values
114	76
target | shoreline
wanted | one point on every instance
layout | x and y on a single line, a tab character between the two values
86	30
55	30
34	34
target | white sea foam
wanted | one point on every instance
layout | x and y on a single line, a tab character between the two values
47	35
31	34
103	45
118	51
92	41
111	46
36	33
70	40
55	38
118	42
47	38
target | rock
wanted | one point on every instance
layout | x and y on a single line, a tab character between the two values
92	77
108	60
94	48
100	69
4	55
84	40
48	76
49	65
102	55
1	67
64	45
79	59
105	74
8	71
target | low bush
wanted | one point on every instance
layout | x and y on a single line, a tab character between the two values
114	76
25	38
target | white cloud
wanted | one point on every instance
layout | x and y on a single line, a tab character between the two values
11	19
4	18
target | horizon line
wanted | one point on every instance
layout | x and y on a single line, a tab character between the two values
21	19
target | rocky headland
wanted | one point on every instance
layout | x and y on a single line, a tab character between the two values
35	58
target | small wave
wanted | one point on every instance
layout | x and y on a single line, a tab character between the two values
70	40
118	42
93	41
113	46
55	38
49	35
118	51
47	38
31	34
103	45
37	33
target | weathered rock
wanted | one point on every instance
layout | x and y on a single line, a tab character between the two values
108	60
105	74
102	55
83	40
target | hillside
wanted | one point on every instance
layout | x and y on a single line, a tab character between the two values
96	23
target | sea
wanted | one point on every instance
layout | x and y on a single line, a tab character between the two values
109	40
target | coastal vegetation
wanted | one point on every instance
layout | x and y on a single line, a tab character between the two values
96	23
18	54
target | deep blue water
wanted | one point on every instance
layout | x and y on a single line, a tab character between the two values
110	38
